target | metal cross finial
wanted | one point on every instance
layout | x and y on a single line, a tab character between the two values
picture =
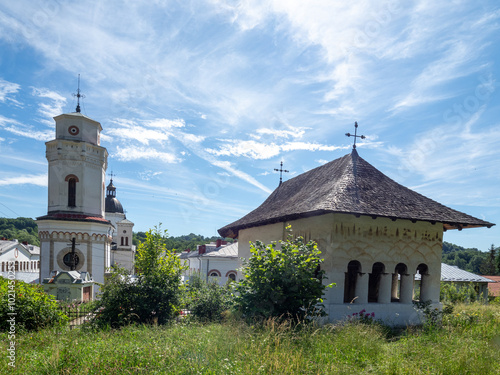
355	135
78	95
281	170
111	175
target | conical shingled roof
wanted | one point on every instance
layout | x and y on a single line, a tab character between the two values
349	185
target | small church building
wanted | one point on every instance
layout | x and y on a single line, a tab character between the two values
375	235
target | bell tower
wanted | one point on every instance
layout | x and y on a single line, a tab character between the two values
75	235
77	166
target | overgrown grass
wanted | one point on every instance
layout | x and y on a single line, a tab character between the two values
468	343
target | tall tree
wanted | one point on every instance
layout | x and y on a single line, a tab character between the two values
489	266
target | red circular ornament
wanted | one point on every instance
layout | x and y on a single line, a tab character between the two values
73	130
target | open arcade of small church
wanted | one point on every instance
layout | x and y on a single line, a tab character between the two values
375	235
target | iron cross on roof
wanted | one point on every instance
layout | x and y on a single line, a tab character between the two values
78	95
355	135
281	170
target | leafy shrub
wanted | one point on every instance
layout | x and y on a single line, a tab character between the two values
285	282
34	308
207	300
451	293
152	297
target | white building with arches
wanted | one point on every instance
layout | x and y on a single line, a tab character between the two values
22	259
374	235
216	261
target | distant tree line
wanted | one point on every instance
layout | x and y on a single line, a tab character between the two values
472	260
180	243
483	263
23	229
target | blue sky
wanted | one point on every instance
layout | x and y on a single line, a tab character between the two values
201	100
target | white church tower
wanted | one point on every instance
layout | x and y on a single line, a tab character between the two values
75	235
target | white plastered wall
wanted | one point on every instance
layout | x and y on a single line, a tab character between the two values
343	238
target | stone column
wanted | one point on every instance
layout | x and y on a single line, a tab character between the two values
335	294
394	286
89	257
385	288
51	256
406	292
362	288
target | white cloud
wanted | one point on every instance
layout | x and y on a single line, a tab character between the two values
148	175
6	89
17	128
39	180
259	150
229	167
142	153
164	123
251	149
281	133
452	153
51	109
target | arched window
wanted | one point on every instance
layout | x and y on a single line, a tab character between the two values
126	241
214	273
231	275
351	277
375	276
122	242
72	180
399	271
422	287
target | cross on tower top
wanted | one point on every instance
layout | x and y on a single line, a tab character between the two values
111	175
355	135
78	96
281	170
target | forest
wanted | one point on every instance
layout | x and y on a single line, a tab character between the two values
472	259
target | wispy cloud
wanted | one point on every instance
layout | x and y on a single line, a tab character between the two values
132	153
51	109
28	131
6	89
39	180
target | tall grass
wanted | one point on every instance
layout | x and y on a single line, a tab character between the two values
467	343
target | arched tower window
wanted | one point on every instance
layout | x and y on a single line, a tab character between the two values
351	278
397	277
423	285
72	180
375	276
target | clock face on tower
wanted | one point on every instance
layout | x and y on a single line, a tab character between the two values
73	130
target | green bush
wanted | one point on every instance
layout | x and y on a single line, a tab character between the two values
452	293
285	282
207	300
152	297
34	308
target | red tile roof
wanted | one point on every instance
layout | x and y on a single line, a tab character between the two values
73	217
494	288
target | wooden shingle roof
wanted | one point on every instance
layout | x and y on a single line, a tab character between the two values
353	186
